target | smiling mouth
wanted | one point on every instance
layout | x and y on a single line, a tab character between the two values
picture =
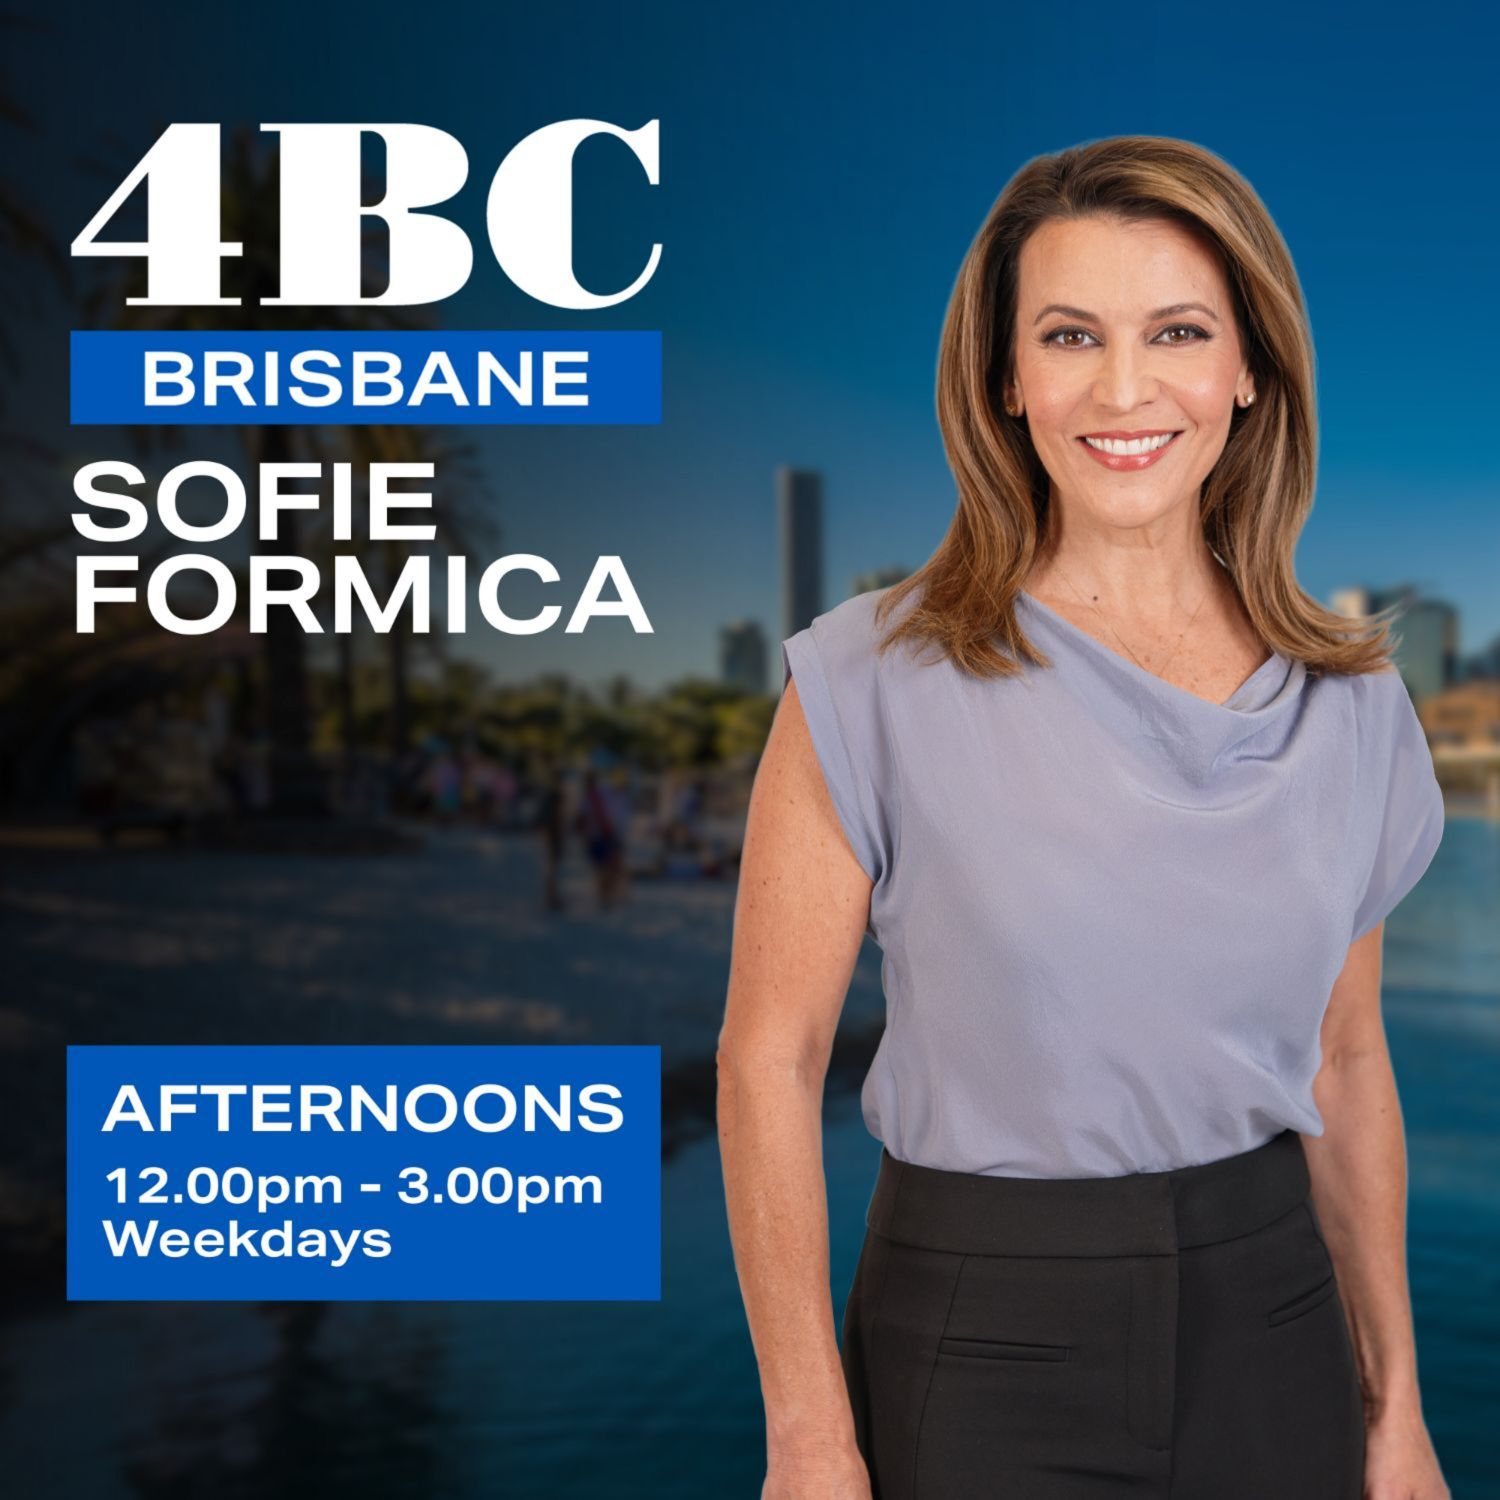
1130	447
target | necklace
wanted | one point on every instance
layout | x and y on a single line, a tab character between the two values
1158	671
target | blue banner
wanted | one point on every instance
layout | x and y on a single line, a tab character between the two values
384	1173
500	377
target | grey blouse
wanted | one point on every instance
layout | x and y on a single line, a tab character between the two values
1111	912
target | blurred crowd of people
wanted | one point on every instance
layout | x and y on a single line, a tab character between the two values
172	764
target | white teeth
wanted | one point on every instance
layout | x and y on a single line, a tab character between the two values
1122	447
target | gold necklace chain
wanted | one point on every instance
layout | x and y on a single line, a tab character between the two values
1161	670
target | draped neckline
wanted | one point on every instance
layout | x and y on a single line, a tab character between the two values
1200	741
1232	703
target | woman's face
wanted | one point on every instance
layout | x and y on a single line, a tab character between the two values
1099	352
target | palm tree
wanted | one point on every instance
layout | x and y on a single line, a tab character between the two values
462	516
21	232
36	585
250	206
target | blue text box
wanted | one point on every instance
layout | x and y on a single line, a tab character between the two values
503	1212
616	373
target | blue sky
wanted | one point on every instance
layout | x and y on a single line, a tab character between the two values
824	168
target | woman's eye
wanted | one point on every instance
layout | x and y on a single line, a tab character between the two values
1196	335
1062	332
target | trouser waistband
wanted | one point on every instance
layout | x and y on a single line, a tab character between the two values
1140	1213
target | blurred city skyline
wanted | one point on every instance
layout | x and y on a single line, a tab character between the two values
801	310
1429	628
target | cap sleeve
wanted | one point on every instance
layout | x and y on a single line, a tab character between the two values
1410	813
838	685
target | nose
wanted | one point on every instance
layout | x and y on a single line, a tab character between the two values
1124	381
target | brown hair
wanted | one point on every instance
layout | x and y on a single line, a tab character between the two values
1254	502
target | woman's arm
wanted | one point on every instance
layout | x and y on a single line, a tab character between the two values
800	916
1358	1170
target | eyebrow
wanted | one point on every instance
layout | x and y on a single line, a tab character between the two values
1161	312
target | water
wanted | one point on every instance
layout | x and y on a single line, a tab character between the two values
564	1400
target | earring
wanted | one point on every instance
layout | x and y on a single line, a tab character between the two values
1250	399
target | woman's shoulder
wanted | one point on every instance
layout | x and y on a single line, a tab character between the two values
1377	693
1390	703
1376	711
854	615
852	631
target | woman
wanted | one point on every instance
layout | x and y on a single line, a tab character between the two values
1125	810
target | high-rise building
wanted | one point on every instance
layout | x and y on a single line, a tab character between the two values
742	656
877	578
1352	603
799	508
1427	656
1482	665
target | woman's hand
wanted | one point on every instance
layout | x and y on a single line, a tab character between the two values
1400	1463
817	1473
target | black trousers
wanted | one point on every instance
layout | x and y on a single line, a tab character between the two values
1172	1335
